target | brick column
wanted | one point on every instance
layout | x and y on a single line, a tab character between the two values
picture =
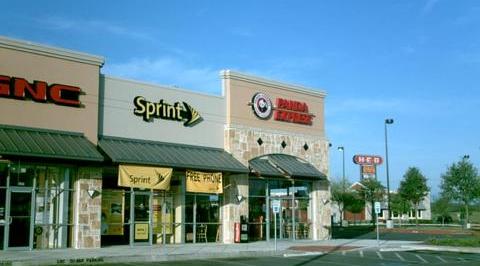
86	210
232	209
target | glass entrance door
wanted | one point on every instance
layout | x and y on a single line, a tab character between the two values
285	227
142	229
19	214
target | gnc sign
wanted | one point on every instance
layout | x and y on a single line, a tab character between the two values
367	159
39	91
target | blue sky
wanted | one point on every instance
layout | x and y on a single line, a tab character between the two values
415	61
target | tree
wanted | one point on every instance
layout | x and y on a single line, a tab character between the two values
462	183
399	205
354	203
371	191
339	192
441	208
414	188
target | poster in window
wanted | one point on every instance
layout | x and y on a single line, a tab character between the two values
112	212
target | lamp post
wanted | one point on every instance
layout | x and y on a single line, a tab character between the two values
389	223
342	149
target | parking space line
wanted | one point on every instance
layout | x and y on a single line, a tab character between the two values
440	258
420	258
380	255
400	257
361	253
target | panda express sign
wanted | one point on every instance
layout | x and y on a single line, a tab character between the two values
285	110
163	110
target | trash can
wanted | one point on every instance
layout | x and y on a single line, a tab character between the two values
243	229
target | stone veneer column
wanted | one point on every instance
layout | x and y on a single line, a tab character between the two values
321	201
234	185
87	210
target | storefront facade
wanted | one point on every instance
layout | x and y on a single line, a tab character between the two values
147	126
89	160
48	132
278	130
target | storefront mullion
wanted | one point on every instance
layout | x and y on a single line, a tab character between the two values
202	213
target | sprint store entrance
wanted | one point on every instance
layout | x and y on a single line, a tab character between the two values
145	205
133	211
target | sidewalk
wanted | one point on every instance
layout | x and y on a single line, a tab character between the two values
159	253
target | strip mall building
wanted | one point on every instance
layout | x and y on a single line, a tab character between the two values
88	160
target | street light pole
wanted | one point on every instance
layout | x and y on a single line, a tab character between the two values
342	149
387	122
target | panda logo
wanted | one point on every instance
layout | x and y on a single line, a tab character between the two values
262	105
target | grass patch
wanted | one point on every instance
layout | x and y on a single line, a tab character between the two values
460	242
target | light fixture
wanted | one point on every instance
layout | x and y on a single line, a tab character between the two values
239	198
93	192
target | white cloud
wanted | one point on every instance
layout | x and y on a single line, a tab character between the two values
357	105
429	5
242	32
91	26
167	71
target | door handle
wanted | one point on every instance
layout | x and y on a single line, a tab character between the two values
10	220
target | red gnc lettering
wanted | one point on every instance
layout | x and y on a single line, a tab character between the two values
20	88
4	86
23	89
57	92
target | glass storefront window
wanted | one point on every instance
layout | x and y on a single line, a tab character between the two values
205	208
294	219
257	215
257	187
22	175
51	207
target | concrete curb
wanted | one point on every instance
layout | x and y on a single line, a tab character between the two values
443	248
99	260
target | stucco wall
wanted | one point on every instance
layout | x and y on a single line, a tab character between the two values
54	66
117	117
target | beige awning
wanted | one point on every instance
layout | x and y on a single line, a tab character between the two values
144	177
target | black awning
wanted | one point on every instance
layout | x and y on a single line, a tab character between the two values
46	143
282	165
121	150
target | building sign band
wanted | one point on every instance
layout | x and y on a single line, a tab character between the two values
181	112
202	182
144	177
285	110
39	91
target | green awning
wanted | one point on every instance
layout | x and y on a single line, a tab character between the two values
121	150
284	165
45	143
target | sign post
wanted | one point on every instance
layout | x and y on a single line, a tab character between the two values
275	209
377	212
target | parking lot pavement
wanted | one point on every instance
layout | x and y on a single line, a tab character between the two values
360	257
338	258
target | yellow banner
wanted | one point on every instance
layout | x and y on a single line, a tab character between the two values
204	182
144	177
